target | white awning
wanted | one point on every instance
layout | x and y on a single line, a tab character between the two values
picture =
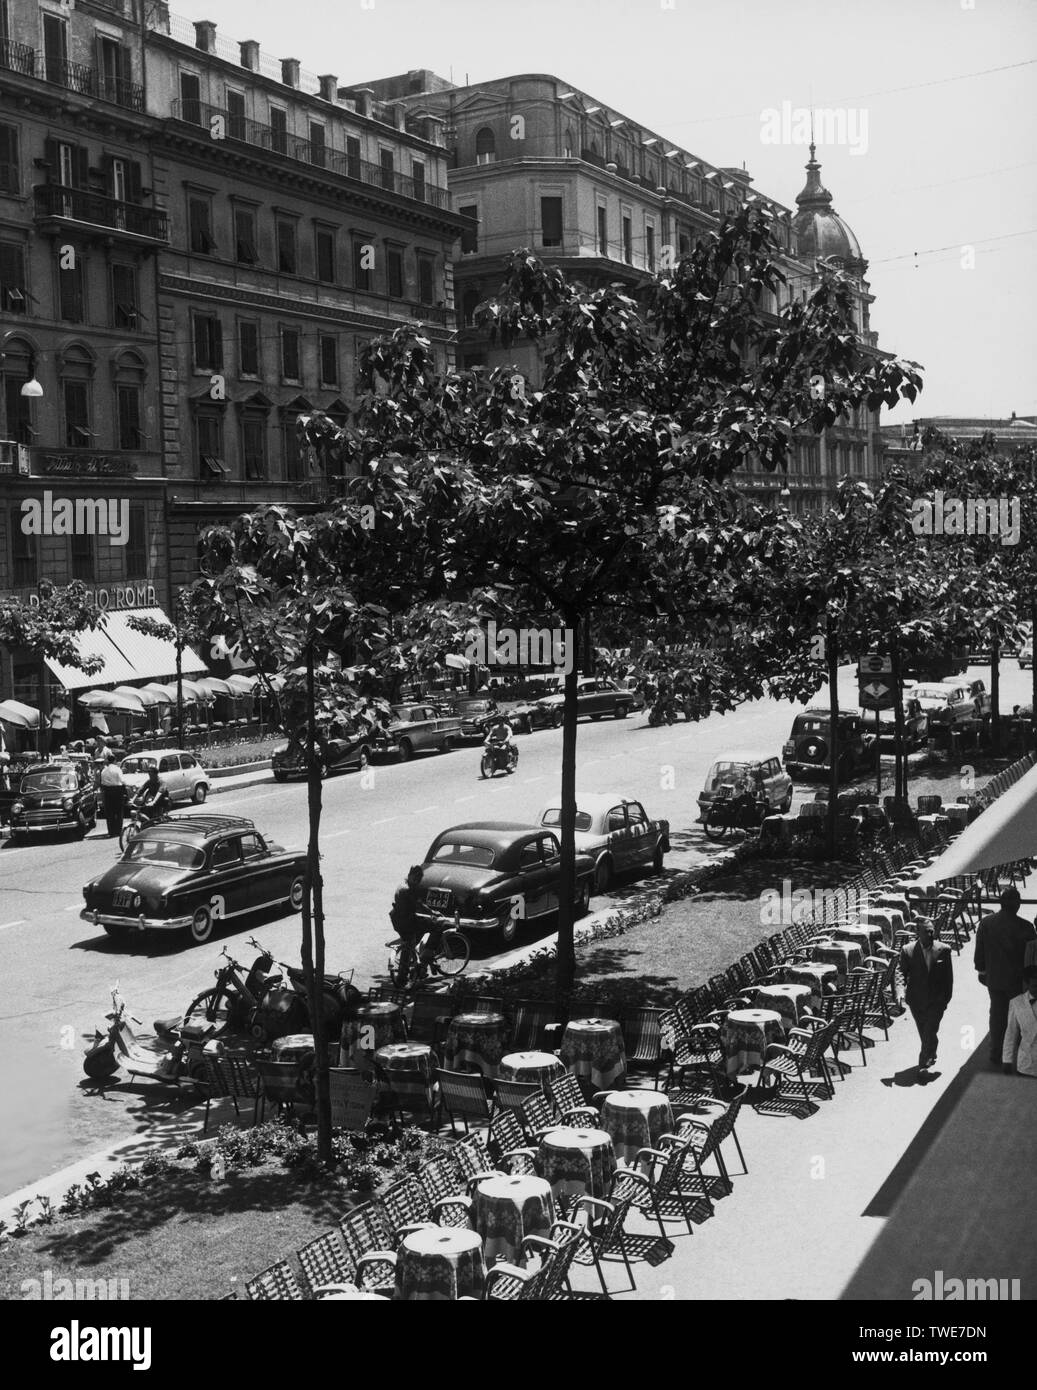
128	655
1005	832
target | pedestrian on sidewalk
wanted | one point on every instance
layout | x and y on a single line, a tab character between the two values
928	976
113	795
1019	1051
1001	941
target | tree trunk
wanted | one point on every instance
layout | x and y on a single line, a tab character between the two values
313	923
995	699
832	823
1033	677
900	766
565	972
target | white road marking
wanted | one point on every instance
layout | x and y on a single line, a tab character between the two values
16	923
459	799
527	780
74	908
422	809
336	833
385	821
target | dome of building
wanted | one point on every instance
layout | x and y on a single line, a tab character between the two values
819	229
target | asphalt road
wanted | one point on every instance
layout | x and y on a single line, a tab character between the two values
58	970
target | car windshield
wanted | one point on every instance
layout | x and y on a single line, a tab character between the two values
929	692
172	853
138	764
53	780
457	852
729	772
554	817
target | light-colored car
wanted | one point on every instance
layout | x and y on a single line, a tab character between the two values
765	775
970	700
617	832
181	774
1026	655
596	696
421	729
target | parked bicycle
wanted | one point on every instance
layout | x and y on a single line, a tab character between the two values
411	961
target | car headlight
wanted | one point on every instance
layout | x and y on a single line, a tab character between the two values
66	803
17	808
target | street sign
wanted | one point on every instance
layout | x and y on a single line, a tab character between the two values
875	695
875	664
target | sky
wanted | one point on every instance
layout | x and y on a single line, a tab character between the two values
936	171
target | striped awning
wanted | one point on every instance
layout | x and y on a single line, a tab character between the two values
128	655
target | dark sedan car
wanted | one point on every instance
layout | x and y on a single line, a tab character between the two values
491	876
474	712
596	696
54	796
336	752
189	872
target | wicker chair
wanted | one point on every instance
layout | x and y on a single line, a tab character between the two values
536	1115
509	1095
279	1086
673	1188
572	1107
463	1093
606	1238
474	1162
369	1245
533	1020
443	1186
508	1144
643	1040
228	1078
325	1266
407	1207
277	1284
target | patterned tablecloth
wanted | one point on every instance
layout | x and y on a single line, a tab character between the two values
592	1049
822	979
506	1210
887	918
475	1042
296	1047
747	1033
540	1067
439	1262
410	1069
376	1025
577	1161
635	1120
844	955
864	936
792	1001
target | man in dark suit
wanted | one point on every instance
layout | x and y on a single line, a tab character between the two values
925	968
1001	942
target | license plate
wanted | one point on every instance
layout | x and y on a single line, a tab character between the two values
123	898
438	899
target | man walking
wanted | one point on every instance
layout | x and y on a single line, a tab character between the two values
1020	1046
59	717
113	795
1001	942
925	967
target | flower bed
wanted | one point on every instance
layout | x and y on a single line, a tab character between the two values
243	755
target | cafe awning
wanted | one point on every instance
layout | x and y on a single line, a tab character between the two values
1006	831
19	716
128	655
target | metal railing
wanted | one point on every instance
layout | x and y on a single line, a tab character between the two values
264	137
74	77
80	205
17	57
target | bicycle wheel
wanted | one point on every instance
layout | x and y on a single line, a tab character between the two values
454	954
715	827
401	959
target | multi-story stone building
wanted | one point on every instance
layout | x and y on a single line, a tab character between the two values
535	162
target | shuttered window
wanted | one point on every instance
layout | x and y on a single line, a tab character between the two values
245	239
199	225
208	342
551	221
248	347
125	297
13	293
72	290
324	242
328	360
290	354
137	543
127	400
10	167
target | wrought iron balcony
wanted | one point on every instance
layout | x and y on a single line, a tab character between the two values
74	77
55	200
245	132
17	57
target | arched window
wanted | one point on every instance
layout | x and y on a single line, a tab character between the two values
485	146
129	371
76	367
17	367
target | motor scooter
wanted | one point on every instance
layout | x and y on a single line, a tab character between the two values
115	1046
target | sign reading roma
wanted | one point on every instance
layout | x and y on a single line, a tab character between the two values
120	596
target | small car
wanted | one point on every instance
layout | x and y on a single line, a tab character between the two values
764	774
596	696
916	724
474	712
181	774
808	750
420	729
337	750
1026	655
57	795
189	873
974	700
617	833
935	702
491	876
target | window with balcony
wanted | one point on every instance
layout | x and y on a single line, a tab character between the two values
361	267
208	430
125	297
200	238
72	290
287	246
470	235
78	434
130	432
24	554
291	368
236	127
136	553
207	340
426	279
328	360
551	221
67	164
55	49
603	231
10	163
318	144
394	272
253	445
248	348
324	254
14	294
352	156
279	129
191	98
114	72
246	240
485	146
387	161
122	178
418	180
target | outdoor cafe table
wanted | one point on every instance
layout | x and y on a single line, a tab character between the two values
888	918
375	1025
577	1161
296	1047
822	979
592	1049
439	1262
866	937
408	1067
475	1042
790	1000
540	1067
844	955
746	1034
507	1209
635	1120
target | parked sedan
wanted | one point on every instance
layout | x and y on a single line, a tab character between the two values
181	774
420	729
190	872
335	754
474	713
491	876
57	795
617	833
596	696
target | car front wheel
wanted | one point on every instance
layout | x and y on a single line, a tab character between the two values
201	926
509	929
603	875
295	893
583	900
201	791
406	749
622	711
556	720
